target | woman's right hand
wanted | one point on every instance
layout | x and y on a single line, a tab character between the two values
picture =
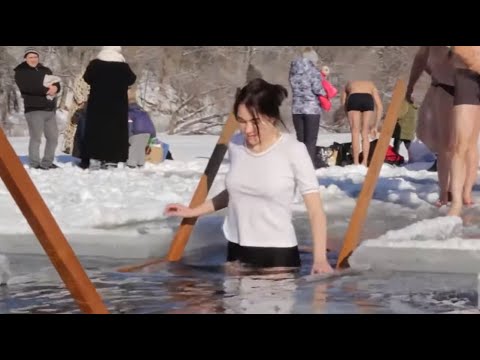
179	210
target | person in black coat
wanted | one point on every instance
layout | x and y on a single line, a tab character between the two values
39	109
106	127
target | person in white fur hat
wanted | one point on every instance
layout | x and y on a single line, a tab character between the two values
111	53
106	126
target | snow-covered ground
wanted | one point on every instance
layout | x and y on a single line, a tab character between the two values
119	213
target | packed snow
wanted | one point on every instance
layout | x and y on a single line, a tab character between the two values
119	213
436	245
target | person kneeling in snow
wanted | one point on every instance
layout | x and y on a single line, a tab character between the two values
141	130
79	118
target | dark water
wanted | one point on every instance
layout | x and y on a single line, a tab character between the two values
199	284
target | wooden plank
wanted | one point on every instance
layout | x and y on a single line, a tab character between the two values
183	233
47	231
359	215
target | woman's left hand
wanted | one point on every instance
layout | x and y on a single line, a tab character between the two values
321	267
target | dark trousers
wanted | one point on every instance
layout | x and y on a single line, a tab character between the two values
79	145
306	127
42	123
397	141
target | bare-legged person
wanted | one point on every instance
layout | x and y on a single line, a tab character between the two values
444	159
359	99
355	121
464	167
472	170
466	115
467	126
434	124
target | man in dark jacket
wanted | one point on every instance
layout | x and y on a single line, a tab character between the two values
39	110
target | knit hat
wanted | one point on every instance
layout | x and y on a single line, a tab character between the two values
30	50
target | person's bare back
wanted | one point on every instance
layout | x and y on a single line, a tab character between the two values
363	88
436	62
439	65
434	123
360	86
466	57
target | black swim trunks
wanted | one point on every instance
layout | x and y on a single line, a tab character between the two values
467	87
360	102
264	257
450	89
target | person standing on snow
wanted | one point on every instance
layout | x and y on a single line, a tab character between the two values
466	117
106	127
360	99
306	83
40	108
435	126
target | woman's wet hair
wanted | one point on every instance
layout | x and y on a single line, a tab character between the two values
261	98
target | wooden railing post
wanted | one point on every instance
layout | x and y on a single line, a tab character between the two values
47	231
183	233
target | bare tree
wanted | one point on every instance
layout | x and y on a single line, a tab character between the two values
191	89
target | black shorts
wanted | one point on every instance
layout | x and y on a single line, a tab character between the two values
264	257
467	87
449	89
360	102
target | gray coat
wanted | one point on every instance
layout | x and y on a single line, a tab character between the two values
306	83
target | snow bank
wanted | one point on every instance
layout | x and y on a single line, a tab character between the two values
433	245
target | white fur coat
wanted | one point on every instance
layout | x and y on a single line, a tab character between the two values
111	53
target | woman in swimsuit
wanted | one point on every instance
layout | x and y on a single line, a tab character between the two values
359	99
466	114
434	126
